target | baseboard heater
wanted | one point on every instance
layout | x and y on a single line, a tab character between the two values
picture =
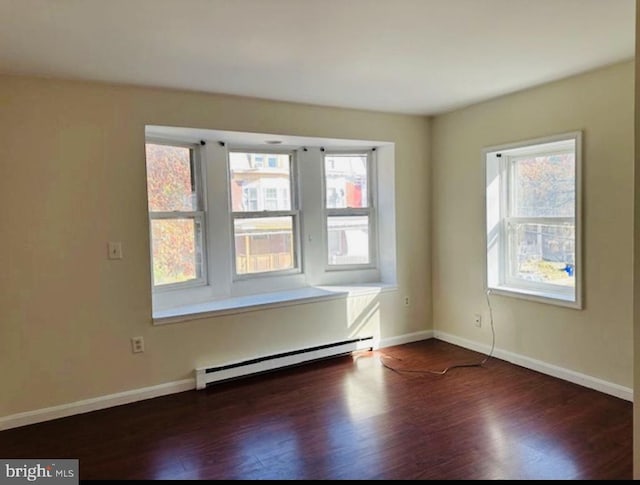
209	375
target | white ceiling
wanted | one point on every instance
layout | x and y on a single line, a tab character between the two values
410	56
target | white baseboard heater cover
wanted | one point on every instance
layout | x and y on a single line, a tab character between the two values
208	375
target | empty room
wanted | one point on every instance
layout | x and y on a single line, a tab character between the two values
318	239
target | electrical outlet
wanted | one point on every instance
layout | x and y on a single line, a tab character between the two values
477	320
115	250
137	345
406	301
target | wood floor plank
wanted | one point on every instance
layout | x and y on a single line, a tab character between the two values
353	418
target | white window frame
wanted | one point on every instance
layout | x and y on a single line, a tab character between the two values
222	289
499	163
368	211
294	213
197	215
246	196
266	199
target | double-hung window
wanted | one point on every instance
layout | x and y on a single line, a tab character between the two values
533	219
348	210
236	221
176	215
264	226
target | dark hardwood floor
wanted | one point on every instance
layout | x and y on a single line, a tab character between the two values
352	418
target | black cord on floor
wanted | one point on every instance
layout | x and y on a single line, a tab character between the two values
455	366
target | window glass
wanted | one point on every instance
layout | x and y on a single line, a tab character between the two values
264	244
170	178
247	182
346	181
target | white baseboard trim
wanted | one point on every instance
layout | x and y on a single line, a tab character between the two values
404	339
95	403
607	387
126	397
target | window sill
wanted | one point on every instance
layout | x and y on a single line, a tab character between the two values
538	296
264	301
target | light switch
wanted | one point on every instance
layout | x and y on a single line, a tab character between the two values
115	250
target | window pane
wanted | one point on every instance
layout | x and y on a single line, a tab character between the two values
249	175
348	239
543	253
177	253
264	244
250	198
170	178
544	186
271	199
346	181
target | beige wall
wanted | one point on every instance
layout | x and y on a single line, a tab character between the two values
596	341
72	177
